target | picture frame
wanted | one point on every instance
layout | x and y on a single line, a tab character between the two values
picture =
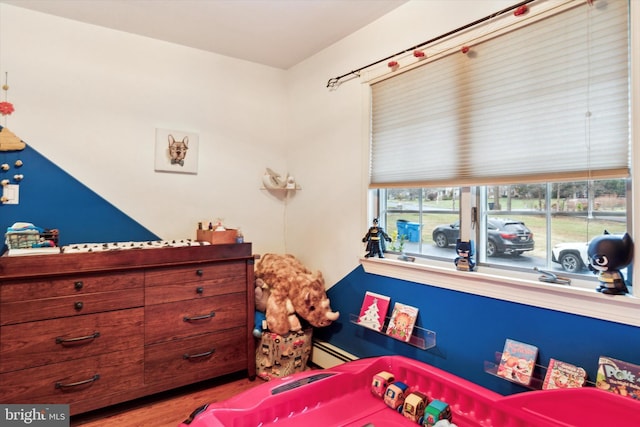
176	151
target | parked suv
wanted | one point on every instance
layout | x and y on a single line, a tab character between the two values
504	236
571	256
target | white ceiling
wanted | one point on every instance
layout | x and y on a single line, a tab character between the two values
277	33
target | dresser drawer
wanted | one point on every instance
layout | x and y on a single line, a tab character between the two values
166	322
196	273
195	359
27	345
76	380
81	284
178	291
65	306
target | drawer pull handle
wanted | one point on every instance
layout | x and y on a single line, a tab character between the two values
78	285
94	378
187	356
202	317
63	341
200	272
199	290
78	305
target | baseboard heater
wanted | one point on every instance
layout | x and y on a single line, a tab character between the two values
326	355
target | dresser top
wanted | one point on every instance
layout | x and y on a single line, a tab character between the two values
70	263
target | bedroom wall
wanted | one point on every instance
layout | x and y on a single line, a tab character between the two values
89	100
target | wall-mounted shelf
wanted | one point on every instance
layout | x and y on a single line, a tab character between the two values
296	188
536	379
422	338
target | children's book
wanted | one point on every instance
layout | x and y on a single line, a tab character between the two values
563	375
517	361
617	376
403	318
374	311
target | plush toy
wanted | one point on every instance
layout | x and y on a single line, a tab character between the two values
294	291
261	296
608	254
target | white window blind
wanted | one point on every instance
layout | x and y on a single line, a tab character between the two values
546	101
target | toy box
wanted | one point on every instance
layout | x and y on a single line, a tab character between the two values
279	356
342	396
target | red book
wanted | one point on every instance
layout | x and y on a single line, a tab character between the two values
374	311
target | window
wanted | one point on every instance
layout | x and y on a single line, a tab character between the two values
533	122
546	226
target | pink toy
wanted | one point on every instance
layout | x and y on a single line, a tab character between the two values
341	396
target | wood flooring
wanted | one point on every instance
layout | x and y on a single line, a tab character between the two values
166	409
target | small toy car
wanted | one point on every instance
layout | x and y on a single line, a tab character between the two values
394	396
436	411
380	382
414	406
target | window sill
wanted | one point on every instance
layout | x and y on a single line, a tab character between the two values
519	288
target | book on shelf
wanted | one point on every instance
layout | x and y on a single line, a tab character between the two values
517	361
617	376
373	312
563	375
403	318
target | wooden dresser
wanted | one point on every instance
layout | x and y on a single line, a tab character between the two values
94	329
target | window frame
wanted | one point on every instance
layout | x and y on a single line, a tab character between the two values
523	287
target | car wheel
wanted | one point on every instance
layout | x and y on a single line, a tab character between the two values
492	249
571	262
441	240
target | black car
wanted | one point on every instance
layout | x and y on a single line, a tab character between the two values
504	236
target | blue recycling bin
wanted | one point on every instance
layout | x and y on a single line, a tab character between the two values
411	230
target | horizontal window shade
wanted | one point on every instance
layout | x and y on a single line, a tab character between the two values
546	101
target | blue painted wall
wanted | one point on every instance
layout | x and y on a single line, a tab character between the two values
51	198
471	329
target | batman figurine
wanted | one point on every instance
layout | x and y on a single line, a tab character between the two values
608	254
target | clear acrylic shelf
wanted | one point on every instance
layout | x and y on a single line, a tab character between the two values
422	338
537	377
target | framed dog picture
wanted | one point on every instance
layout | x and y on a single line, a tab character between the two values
176	151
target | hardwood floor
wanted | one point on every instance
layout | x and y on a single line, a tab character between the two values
166	409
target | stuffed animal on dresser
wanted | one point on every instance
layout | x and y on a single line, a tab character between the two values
294	291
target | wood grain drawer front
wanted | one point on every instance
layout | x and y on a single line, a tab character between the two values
195	359
191	290
81	284
196	273
75	305
165	322
75	380
28	345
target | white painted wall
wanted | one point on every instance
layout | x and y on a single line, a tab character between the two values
328	150
90	100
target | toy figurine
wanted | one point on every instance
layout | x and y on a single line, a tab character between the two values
465	252
375	239
608	254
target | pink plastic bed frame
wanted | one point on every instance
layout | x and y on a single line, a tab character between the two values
341	396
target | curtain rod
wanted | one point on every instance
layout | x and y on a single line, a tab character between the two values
333	82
